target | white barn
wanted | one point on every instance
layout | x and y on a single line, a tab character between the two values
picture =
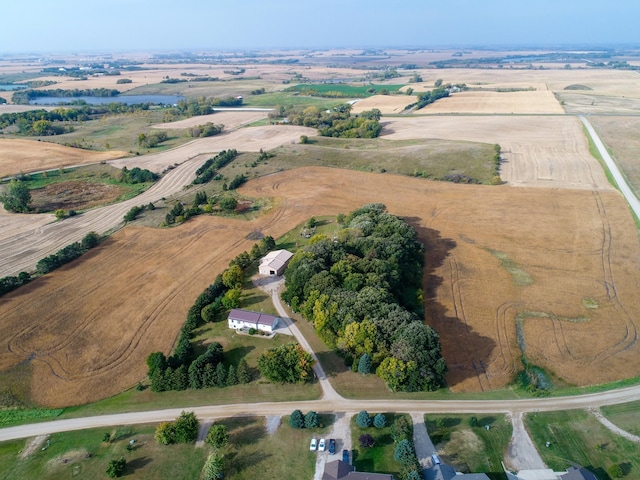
274	263
241	319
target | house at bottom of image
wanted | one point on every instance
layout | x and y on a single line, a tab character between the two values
246	319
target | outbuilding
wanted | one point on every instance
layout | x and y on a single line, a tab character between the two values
274	263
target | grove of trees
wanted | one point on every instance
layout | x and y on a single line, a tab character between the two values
362	292
17	197
337	122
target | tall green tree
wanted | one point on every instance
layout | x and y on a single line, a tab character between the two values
17	198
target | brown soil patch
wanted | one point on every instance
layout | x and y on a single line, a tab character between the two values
74	195
88	327
71	456
23	156
32	446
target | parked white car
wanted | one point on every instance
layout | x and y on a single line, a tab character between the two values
313	445
321	445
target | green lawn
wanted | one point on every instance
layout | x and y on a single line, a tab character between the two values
625	416
576	436
83	454
379	458
471	449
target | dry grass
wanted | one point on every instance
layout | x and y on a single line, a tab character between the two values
538	151
87	328
23	156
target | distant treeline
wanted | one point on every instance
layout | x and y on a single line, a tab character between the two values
25	96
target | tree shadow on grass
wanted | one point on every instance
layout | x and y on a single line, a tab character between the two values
136	464
234	355
454	331
248	435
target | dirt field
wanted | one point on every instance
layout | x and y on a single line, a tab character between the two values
387	104
575	245
229	119
538	151
529	102
23	156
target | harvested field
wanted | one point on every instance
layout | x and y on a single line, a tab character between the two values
622	137
387	104
230	120
574	245
537	151
23	156
250	139
528	102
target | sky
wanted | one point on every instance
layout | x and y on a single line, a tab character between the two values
41	26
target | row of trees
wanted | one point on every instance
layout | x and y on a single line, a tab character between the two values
25	96
299	420
209	169
183	369
362	292
68	253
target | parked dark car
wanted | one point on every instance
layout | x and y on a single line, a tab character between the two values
345	456
332	446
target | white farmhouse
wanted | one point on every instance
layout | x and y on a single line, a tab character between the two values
274	263
245	319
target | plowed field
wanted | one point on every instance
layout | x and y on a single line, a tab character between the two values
562	263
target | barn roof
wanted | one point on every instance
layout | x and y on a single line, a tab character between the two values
276	259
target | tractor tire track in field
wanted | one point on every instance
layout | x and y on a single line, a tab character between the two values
630	337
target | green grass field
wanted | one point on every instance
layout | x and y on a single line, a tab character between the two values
344	89
471	449
83	454
576	436
625	416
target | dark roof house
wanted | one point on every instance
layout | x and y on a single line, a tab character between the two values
578	473
339	470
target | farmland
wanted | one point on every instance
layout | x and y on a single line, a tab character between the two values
546	271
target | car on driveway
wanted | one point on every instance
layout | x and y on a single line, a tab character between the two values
332	446
313	445
321	445
345	456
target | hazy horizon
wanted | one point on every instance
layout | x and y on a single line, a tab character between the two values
67	26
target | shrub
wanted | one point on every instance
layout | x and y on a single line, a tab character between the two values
311	420
296	420
364	365
379	421
363	420
116	468
217	436
366	440
615	471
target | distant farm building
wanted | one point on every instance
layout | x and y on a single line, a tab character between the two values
274	262
245	320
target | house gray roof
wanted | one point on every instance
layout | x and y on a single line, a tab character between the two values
339	470
336	470
257	318
578	473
